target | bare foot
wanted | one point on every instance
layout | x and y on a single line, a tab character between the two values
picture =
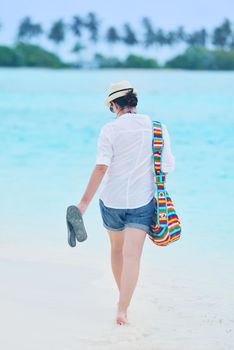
121	317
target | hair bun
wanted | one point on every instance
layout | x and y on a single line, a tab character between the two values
131	99
128	100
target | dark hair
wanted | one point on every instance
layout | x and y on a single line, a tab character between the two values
129	100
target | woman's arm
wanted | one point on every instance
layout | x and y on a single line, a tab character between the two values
93	184
103	160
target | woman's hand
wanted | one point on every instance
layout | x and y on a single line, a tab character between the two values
82	206
94	182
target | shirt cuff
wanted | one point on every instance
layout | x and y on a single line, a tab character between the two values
103	160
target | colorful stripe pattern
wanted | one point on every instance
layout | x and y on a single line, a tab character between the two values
166	226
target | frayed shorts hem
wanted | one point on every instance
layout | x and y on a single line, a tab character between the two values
136	225
113	229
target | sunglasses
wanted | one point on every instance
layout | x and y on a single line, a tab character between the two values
111	109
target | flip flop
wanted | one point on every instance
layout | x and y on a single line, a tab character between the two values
71	237
75	224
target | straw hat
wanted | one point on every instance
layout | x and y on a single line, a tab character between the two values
118	90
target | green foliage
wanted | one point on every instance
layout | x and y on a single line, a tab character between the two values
8	57
132	61
107	62
135	61
224	59
35	56
24	55
201	58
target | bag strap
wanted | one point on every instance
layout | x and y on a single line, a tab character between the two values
160	177
157	147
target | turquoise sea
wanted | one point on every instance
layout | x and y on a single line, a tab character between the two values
49	124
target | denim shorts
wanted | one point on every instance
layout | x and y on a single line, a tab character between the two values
117	219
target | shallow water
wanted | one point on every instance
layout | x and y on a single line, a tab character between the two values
50	121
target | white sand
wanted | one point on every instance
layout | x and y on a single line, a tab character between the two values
65	298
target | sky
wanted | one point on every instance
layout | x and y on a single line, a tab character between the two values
166	14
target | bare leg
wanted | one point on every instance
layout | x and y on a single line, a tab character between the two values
116	240
132	249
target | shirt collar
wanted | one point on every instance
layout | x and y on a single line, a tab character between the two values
126	115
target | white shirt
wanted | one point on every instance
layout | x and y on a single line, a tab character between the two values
125	145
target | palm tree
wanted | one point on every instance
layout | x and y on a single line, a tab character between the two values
181	34
112	37
76	26
129	37
231	45
171	38
77	49
160	37
27	30
57	32
222	35
198	38
92	24
149	34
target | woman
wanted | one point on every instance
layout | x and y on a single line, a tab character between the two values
124	156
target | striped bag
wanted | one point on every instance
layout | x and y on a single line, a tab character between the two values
166	226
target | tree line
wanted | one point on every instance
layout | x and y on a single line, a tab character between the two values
205	49
150	36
